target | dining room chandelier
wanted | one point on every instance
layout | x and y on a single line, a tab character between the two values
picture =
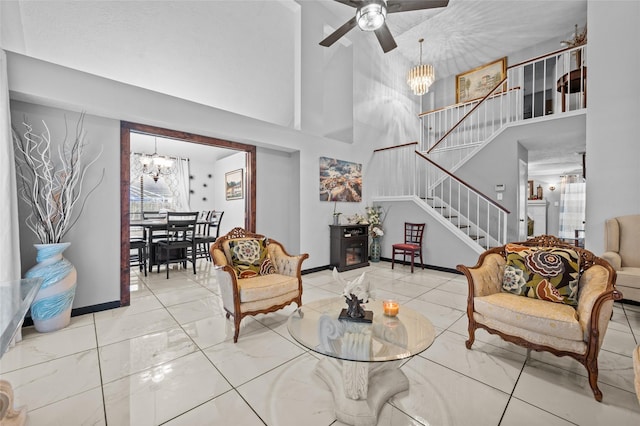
156	165
421	77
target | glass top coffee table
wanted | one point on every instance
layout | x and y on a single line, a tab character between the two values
15	299
362	367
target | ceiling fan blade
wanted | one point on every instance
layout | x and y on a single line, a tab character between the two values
395	6
352	3
385	38
335	36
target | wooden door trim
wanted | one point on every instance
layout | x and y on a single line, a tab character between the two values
125	152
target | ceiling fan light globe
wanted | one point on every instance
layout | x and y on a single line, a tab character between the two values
371	16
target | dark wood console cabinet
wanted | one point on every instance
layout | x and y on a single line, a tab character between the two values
349	246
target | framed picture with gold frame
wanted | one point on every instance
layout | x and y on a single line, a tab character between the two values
476	83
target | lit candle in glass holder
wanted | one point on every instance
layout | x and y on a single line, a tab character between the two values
390	307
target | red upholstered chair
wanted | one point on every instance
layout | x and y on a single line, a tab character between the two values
412	245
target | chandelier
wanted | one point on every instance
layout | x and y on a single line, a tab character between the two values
421	76
371	16
155	165
579	38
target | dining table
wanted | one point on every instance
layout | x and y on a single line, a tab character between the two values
154	228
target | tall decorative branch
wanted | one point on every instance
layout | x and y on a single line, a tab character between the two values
52	190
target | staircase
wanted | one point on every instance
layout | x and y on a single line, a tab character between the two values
424	172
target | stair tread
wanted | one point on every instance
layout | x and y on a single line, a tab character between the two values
476	237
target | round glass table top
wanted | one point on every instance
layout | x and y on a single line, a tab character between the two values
316	326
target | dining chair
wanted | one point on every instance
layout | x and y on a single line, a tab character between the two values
138	242
156	233
139	259
412	245
179	246
204	237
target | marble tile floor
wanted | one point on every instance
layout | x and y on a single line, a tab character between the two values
169	359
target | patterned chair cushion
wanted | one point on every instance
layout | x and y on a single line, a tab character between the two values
546	273
249	257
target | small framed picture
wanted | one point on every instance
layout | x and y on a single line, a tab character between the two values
234	185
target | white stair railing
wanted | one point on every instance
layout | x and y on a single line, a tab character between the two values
396	171
451	134
475	214
543	86
401	171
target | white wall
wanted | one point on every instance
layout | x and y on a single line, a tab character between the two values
553	210
205	185
613	152
95	239
278	197
234	210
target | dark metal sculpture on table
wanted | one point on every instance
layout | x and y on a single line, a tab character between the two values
356	292
355	309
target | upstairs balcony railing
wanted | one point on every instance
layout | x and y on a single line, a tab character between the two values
539	87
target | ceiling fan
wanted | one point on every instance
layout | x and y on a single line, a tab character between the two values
371	15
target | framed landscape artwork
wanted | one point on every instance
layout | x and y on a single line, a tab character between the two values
476	83
234	185
340	180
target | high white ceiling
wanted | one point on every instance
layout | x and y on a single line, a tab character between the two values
469	33
182	47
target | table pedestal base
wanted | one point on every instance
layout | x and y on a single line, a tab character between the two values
360	389
9	416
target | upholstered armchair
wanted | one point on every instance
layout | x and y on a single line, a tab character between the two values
622	251
544	295
255	274
636	370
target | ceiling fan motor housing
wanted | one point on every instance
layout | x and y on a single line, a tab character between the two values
371	15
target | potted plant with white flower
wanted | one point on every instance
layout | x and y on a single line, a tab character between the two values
375	218
51	186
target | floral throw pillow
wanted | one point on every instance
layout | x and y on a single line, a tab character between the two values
267	267
545	273
250	258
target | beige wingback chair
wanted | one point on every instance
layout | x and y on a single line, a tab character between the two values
636	369
541	325
251	282
622	251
